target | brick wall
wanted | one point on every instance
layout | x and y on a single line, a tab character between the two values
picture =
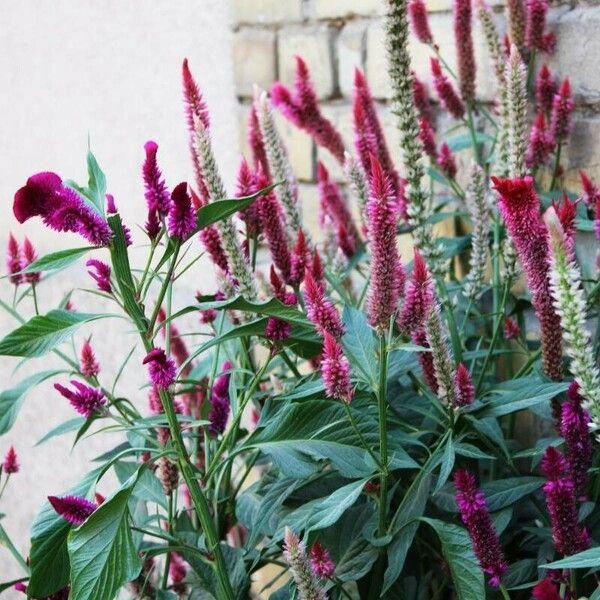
334	36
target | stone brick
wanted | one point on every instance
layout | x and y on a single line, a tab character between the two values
308	196
254	59
350	54
314	44
266	11
446	5
583	150
335	9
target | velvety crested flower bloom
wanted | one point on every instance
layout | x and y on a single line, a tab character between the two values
419	21
541	143
520	208
384	288
511	329
427	137
294	553
516	22
101	274
86	400
574	427
569	538
161	368
465	55
319	309
299	259
465	390
335	370
476	516
302	109
88	364
419	337
443	362
419	297
14	261
60	207
75	509
182	216
29	256
447	161
320	561
562	109
10	464
247	184
257	144
545	89
545	590
516	77
219	401
421	99
156	192
536	25
445	91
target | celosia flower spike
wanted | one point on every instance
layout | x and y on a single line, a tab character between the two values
516	78
476	516
463	38
86	400
516	22
511	329
195	107
278	329
355	176
419	21
75	509
294	553
591	194
29	256
545	590
465	390
419	297
335	370
247	184
562	108
182	217
219	401
300	258
257	143
419	338
545	89
157	194
101	274
13	261
446	93
319	309
320	561
447	162
536	24
427	137
541	143
161	368
421	99
88	366
10	464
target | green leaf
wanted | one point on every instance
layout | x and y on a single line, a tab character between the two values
70	425
457	548
464	140
447	465
360	345
96	190
56	260
504	492
43	333
583	560
12	400
520	572
147	488
102	553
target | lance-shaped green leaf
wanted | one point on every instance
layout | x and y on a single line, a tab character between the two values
583	560
360	345
56	260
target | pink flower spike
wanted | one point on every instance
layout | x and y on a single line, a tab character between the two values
219	401
10	464
536	25
591	194
211	240
446	94
427	137
101	275
257	144
562	109
161	368
300	259
89	366
320	561
195	107
86	400
541	143
421	99
566	212
74	509
545	88
417	12
13	261
316	268
419	297
182	216
546	590
511	329
319	309
157	195
335	370
111	207
247	185
30	255
463	37
465	390
419	338
447	161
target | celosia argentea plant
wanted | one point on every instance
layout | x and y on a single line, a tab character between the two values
366	419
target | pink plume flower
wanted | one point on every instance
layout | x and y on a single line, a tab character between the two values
278	329
535	38
302	109
60	207
427	137
476	516
335	370
195	107
465	390
447	161
300	258
562	109
417	12
219	401
161	368
182	216
101	274
541	143
545	590
569	538
320	561
446	93
463	37
247	184
20	587
566	212
591	194
511	329
86	400
421	99
316	268
30	255
545	88
10	464
257	144
520	207
88	365
178	572
111	207
319	309
384	289
14	261
156	194
75	509
419	297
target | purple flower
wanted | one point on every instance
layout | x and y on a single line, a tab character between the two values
88	364
562	108
156	194
257	144
541	143
299	259
10	464
74	509
446	93
86	400
419	21
29	256
319	309
182	217
427	138
421	99
101	276
219	401
419	337
195	107
465	390
447	162
545	88
161	368
463	37
419	297
247	185
320	561
278	329
13	261
335	370
476	516
535	38
545	590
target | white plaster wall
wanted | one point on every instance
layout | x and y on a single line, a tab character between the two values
110	69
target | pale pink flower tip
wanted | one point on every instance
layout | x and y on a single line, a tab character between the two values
335	370
161	368
320	561
88	364
74	509
10	464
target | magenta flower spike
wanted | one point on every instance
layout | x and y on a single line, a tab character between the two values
546	590
421	99
299	565
418	298
14	261
300	259
74	509
156	192
320	561
278	329
427	137
476	516
520	209
417	12
88	365
182	216
384	288
195	107
86	400
511	329
219	401
419	337
161	368
247	184
319	309
29	256
569	538
465	55
447	161
535	38
566	212
303	110
591	194
545	88
335	370
562	109
541	143
445	91
10	464
100	274
316	268
465	390
257	144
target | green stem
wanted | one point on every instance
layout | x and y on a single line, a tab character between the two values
360	435
35	301
454	336
165	286
473	134
556	166
504	592
165	579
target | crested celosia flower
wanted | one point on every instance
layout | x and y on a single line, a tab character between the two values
419	297
303	110
536	25
75	509
156	192
355	176
419	337
447	162
60	207
562	109
545	590
247	184
511	329
294	553
13	261
421	99
10	463
384	286
86	400
445	91
516	78
219	401
476	516
320	561
541	143
520	209
101	274
574	427
299	259
419	21
569	538
335	370
516	22
257	144
465	55
570	304
29	256
161	368
545	89
465	390
319	309
182	216
427	137
88	365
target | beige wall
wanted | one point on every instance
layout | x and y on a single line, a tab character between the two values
111	69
